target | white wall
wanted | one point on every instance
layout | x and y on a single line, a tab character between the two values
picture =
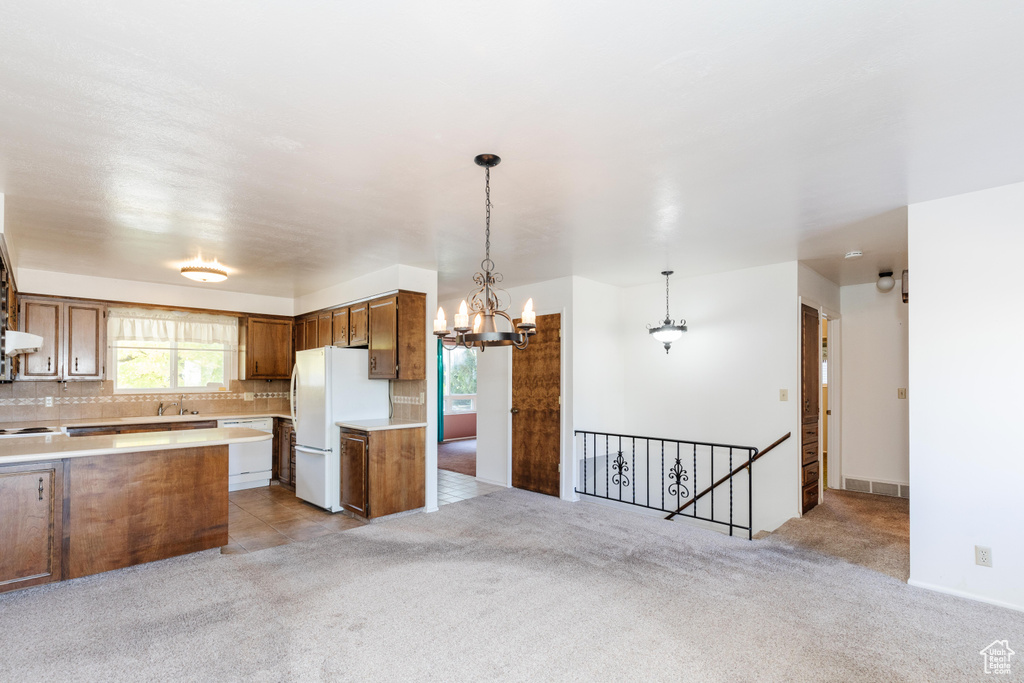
875	423
89	287
377	282
817	291
721	381
966	373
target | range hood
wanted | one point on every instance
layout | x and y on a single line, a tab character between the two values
21	342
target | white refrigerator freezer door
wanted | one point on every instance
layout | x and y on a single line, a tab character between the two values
354	396
316	478
312	399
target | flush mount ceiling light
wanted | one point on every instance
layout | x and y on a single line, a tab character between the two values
885	282
488	302
204	271
668	331
856	253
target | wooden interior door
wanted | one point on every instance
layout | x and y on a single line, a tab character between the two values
810	386
536	409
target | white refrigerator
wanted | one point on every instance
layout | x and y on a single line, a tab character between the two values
329	384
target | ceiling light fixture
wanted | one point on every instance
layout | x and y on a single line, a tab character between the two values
488	301
204	271
856	253
885	282
668	331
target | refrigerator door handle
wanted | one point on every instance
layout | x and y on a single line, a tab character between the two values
291	397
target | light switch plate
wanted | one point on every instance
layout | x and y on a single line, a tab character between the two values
901	393
250	396
783	394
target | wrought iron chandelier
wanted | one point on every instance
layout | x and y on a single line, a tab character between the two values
667	332
488	302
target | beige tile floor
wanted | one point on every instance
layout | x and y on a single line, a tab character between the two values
271	515
453	487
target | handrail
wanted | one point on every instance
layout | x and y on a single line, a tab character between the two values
726	478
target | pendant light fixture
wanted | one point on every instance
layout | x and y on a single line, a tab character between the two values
487	303
667	332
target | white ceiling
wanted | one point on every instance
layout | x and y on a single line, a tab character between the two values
306	143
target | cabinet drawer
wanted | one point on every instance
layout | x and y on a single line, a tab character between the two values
810	496
810	433
811	473
810	453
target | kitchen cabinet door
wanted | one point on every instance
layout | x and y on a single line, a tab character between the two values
324	329
269	349
85	334
353	472
300	336
383	338
357	324
285	453
339	327
31	512
43	318
312	333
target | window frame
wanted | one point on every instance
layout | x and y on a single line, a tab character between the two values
449	399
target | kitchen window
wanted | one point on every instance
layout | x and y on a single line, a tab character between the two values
159	350
459	381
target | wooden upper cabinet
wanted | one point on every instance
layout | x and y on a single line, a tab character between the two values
85	336
383	338
300	336
398	337
312	333
325	333
268	349
357	324
42	317
31	505
339	327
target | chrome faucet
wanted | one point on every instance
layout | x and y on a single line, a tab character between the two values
181	405
160	410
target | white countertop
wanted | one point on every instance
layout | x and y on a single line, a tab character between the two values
141	419
58	446
380	424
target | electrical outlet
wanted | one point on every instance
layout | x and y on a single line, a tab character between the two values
49	401
783	394
982	556
901	393
250	396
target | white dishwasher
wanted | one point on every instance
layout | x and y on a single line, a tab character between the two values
249	464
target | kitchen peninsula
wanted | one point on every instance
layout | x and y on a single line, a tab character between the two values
75	506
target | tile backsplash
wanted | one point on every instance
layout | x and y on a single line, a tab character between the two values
27	401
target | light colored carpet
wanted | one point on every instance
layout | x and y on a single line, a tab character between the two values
457	456
869	530
510	586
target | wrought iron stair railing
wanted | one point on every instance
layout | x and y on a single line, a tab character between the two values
665	475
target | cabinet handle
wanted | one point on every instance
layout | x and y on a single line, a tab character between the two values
256	368
47	363
40	488
76	363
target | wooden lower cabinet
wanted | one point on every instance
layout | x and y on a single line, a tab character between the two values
63	519
382	472
285	454
31	515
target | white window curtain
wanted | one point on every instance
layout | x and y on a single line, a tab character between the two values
154	325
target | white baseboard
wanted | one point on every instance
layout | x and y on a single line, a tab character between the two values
493	483
965	594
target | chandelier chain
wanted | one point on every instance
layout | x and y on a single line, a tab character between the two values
487	207
666	298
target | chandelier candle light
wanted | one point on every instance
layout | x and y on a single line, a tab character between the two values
487	302
667	332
